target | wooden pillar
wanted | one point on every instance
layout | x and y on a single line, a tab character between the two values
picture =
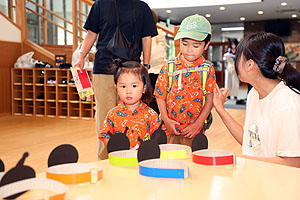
75	20
21	18
10	10
45	24
80	21
176	42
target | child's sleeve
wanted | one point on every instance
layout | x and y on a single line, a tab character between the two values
155	121
161	86
211	81
108	125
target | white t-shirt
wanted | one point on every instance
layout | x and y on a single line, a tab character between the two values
272	125
158	52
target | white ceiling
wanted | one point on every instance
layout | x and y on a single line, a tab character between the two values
271	8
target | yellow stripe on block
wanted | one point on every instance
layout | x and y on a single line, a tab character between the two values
177	154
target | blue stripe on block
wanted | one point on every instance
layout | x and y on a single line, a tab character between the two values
161	173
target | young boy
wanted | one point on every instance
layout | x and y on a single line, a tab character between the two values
181	104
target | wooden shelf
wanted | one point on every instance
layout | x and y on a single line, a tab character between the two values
33	96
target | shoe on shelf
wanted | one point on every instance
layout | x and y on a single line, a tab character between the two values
64	81
40	96
41	81
71	81
51	81
241	102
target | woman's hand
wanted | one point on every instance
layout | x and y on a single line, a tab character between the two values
220	97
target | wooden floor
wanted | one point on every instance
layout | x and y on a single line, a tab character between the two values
39	136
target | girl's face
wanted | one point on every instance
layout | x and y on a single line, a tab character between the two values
242	69
130	90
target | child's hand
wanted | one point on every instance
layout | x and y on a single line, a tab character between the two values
171	126
220	97
190	130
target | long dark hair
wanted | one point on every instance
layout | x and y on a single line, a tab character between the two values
118	67
264	49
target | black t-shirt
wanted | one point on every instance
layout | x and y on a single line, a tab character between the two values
103	21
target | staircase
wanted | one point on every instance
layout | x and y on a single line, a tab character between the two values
48	28
49	25
45	28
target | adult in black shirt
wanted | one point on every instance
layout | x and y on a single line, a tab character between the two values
102	23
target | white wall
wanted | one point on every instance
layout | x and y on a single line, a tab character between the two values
8	31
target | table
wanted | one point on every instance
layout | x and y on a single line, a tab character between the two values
248	179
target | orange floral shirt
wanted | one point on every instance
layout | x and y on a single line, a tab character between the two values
142	122
184	105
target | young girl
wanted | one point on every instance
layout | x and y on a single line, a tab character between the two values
272	126
135	92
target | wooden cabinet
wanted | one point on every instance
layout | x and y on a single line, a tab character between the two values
48	92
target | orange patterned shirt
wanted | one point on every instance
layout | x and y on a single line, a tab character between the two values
142	122
184	105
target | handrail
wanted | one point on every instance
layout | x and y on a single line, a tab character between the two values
44	53
77	20
166	29
48	20
10	20
52	22
49	11
82	21
74	22
88	2
83	14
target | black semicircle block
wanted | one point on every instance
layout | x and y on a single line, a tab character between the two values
159	135
2	167
17	173
63	154
118	141
148	150
199	142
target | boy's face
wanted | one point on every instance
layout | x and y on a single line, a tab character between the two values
191	49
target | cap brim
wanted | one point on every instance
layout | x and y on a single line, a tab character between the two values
191	35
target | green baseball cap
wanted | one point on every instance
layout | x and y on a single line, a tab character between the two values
194	27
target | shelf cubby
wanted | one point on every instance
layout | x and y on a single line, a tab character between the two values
62	77
28	92
47	92
17	75
62	93
74	110
50	93
17	107
40	108
17	91
28	107
86	110
28	76
62	109
51	109
39	77
73	94
39	92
